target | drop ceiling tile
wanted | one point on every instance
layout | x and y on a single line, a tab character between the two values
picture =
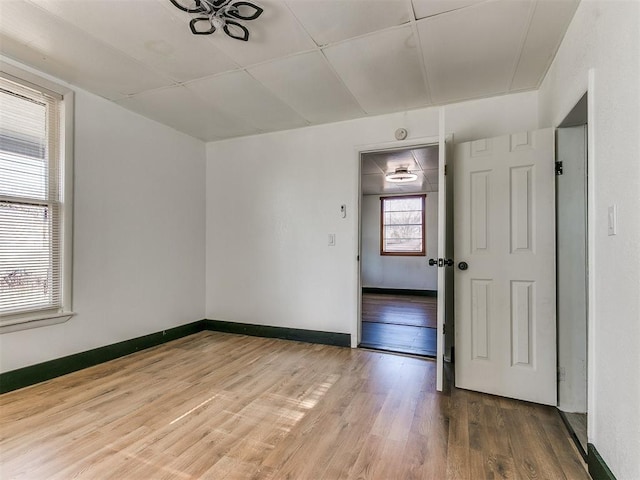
331	21
369	167
182	110
382	70
307	84
147	31
431	175
429	8
43	41
464	56
238	94
388	162
427	157
376	185
548	25
276	33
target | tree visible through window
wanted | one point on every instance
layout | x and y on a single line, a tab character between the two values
402	227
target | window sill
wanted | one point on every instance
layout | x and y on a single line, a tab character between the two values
34	321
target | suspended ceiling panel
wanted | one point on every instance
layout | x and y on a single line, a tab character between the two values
332	21
181	109
306	62
547	26
309	85
239	94
382	70
429	8
150	35
54	46
474	51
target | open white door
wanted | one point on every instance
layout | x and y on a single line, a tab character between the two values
442	243
505	306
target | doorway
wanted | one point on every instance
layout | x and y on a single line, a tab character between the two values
399	233
572	272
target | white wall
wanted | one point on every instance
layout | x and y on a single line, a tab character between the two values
272	200
605	36
138	235
380	271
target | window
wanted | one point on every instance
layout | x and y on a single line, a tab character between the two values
402	225
35	219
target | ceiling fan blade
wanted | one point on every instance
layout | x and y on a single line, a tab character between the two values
202	21
191	6
237	31
244	11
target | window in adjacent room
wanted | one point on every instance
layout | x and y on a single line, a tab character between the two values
402	226
35	212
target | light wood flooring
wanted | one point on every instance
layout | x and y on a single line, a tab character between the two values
399	323
225	406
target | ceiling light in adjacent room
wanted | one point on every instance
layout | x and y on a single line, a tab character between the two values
401	175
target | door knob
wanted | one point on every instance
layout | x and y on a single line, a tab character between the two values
448	262
432	262
463	265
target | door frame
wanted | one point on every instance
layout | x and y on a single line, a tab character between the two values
356	327
590	87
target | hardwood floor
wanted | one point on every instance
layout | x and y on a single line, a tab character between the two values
224	406
399	323
414	310
399	338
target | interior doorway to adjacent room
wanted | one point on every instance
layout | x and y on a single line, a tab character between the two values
399	233
572	272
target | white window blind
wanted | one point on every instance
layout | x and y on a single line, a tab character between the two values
30	200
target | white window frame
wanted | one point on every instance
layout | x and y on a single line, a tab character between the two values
23	321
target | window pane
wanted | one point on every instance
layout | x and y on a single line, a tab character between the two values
23	139
402	227
30	204
402	204
403	218
26	263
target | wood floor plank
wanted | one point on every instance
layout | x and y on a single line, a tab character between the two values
224	406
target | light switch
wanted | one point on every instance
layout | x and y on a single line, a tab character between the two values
332	239
613	220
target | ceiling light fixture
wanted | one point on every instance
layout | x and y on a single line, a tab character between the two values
212	15
401	175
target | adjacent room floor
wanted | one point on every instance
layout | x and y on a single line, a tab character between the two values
223	406
399	323
578	423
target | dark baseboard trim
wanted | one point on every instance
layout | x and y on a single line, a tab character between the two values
598	468
297	334
23	377
400	291
573	435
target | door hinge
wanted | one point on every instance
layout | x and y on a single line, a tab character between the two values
445	169
559	170
444	328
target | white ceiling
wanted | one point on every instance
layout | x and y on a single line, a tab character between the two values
306	62
421	161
